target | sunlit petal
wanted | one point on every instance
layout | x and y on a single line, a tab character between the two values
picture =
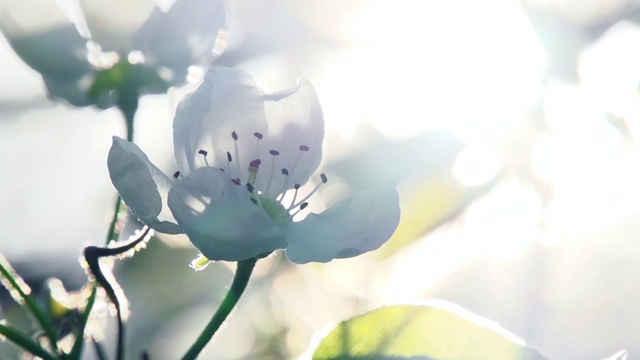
113	23
142	185
182	36
295	123
227	101
353	226
220	218
44	38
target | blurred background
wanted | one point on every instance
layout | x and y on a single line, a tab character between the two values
510	127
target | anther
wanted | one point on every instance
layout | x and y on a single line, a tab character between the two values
323	177
255	164
258	135
229	158
274	152
234	135
304	148
302	207
250	188
254	201
204	155
176	174
236	181
296	186
283	189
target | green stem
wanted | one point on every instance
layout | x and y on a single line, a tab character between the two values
128	105
112	226
239	284
128	110
24	341
79	342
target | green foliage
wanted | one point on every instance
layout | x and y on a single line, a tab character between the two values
421	332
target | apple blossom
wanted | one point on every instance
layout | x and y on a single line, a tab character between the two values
106	52
243	157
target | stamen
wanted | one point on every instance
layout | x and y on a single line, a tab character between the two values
255	198
204	155
176	174
274	153
229	158
303	148
283	189
259	137
323	177
234	135
295	195
302	207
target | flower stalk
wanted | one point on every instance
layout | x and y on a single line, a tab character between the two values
239	284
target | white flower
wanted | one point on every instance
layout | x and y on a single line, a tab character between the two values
239	151
133	45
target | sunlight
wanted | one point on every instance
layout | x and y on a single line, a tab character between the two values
419	70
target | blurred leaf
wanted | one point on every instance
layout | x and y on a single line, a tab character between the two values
382	160
431	203
423	163
438	331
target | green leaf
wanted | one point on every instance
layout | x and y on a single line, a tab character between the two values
20	292
438	331
24	342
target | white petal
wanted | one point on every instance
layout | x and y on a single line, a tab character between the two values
295	119
44	38
76	92
182	36
220	219
113	23
355	225
227	100
143	187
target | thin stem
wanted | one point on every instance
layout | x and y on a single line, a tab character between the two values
239	284
128	110
79	342
112	226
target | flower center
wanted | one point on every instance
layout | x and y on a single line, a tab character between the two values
268	192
